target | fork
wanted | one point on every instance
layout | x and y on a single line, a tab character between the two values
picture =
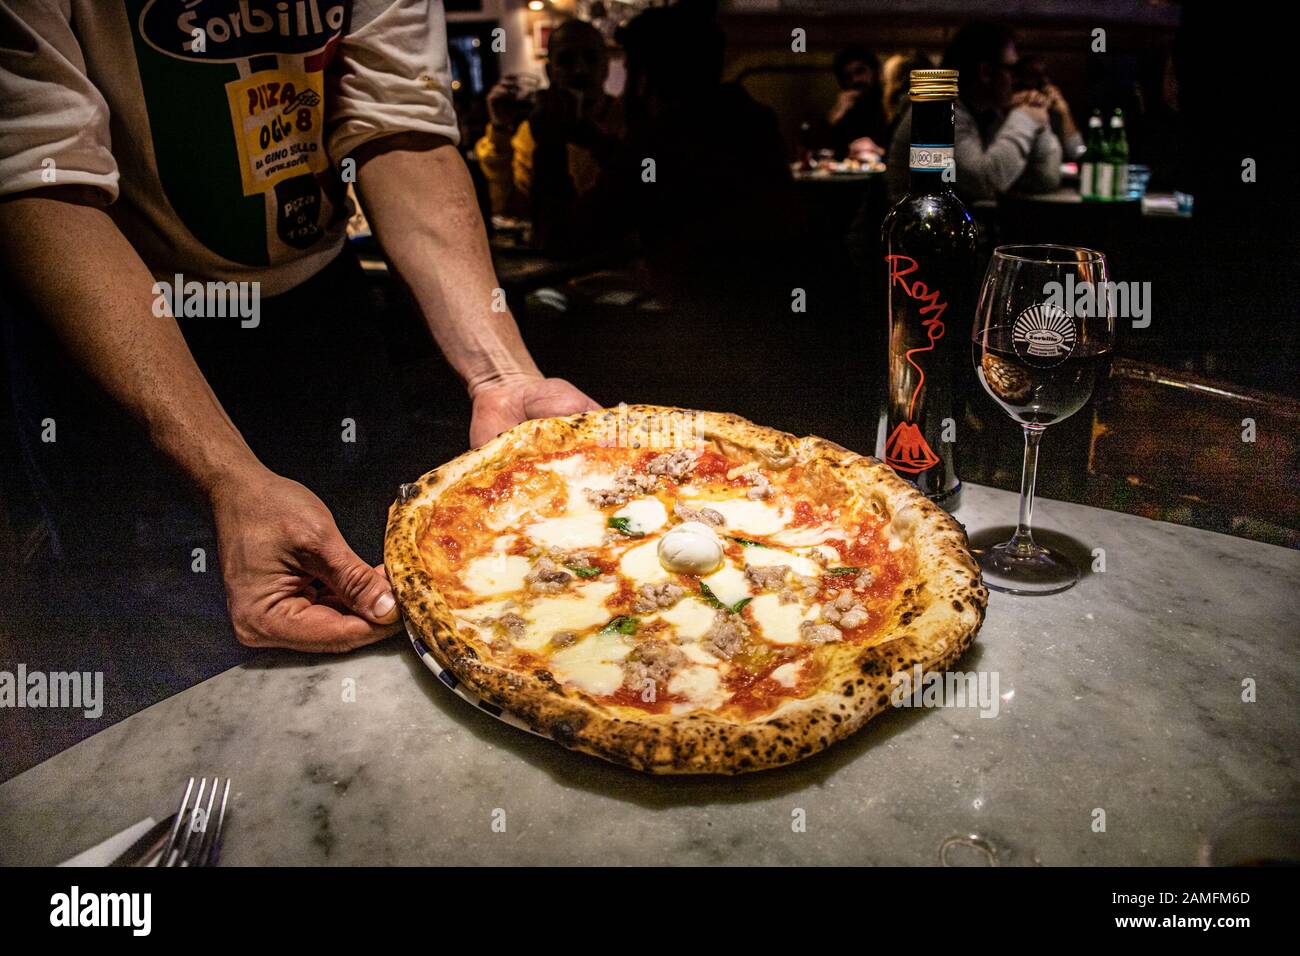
205	848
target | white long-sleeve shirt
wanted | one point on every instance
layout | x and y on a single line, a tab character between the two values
1019	154
215	128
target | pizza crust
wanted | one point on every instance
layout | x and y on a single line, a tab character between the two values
940	608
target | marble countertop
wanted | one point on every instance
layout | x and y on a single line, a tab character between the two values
1122	695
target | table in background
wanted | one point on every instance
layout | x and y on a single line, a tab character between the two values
1123	694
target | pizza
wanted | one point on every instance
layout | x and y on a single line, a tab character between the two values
678	591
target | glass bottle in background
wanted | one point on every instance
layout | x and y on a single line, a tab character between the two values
1104	177
1092	157
929	241
805	146
1119	156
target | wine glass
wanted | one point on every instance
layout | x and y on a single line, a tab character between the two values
1043	328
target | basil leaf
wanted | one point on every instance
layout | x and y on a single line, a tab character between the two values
749	544
710	598
838	572
621	625
584	572
622	526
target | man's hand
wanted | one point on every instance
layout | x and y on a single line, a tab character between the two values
556	118
864	149
1055	101
843	103
1033	104
504	103
420	201
276	539
501	406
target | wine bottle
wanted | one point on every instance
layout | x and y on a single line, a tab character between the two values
1104	178
1119	156
929	242
1092	156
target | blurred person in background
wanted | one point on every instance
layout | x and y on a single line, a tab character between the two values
721	214
857	120
897	73
540	153
1031	74
1004	139
1156	130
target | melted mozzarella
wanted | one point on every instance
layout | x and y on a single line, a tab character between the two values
578	473
570	531
728	584
696	654
742	514
506	514
593	664
644	515
690	618
787	675
832	555
641	564
495	573
480	616
766	557
581	525
701	686
582	609
780	622
808	535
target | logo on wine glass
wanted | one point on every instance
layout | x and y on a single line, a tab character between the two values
1044	335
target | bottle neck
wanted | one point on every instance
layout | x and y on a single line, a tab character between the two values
932	145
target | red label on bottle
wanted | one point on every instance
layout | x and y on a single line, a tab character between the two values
906	448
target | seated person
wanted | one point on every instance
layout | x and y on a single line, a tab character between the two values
897	73
857	119
1004	139
1031	74
574	121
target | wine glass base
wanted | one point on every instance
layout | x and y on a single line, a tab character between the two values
1014	571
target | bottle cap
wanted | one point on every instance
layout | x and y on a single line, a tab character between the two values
933	85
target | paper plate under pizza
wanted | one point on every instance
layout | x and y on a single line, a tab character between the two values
679	591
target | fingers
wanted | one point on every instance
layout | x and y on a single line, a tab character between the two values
361	587
300	625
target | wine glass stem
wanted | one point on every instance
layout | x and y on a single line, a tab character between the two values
1022	541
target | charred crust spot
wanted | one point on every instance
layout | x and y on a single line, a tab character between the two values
957	606
882	700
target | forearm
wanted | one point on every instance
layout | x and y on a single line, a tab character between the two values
1043	173
420	201
987	173
78	272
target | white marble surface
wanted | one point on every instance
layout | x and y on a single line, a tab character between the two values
1127	697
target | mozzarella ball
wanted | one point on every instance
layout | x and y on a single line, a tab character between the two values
691	548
